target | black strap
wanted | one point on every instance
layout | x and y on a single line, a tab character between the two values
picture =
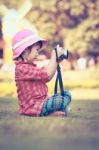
58	78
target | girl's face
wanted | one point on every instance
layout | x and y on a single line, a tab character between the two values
31	54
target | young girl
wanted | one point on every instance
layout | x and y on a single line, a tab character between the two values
31	81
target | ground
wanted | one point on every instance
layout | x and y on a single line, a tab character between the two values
79	130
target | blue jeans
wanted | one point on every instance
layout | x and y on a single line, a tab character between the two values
56	103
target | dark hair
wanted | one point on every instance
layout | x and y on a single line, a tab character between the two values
40	43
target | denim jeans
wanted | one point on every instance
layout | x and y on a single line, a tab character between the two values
56	103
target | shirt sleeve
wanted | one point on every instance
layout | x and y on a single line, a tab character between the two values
32	73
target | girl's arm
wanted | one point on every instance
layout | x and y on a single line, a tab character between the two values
52	66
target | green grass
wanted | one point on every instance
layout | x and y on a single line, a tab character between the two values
87	79
80	128
79	131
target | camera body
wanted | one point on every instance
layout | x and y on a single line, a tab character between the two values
64	55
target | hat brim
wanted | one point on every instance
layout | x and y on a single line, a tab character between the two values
18	51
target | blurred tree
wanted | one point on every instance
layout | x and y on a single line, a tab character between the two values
1	44
72	23
12	3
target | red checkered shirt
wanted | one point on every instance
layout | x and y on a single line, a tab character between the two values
31	87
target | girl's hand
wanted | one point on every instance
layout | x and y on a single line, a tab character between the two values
60	50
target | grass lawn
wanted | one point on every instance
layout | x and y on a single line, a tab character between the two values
80	130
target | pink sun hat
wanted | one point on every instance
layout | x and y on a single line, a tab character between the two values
23	39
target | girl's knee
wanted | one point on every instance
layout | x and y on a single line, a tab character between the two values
68	96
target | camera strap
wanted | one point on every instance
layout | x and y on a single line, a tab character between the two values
58	78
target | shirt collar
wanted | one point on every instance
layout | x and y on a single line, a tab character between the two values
22	62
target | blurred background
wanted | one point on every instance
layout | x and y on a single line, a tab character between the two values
74	24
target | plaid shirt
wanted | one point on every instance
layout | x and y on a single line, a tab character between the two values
31	87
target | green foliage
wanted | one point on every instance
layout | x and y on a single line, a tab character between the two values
73	23
12	3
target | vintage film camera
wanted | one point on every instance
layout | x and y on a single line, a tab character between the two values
63	56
